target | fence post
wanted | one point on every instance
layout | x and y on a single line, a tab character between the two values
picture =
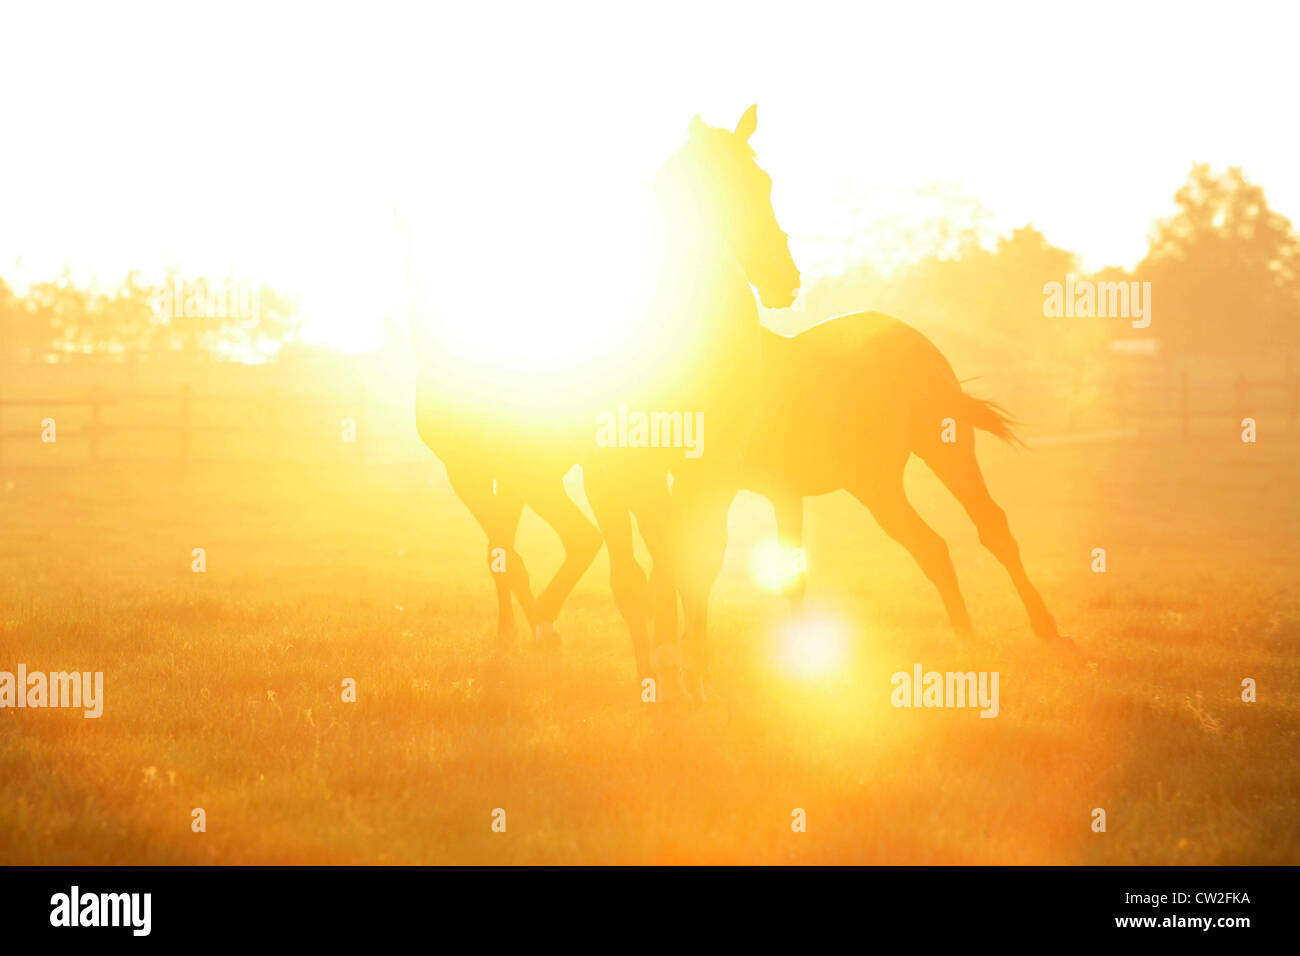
187	396
96	400
1187	404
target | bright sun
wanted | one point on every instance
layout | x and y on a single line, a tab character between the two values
546	281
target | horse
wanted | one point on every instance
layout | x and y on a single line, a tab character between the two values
496	469
720	241
846	403
717	234
496	465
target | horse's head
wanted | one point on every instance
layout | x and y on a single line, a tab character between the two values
716	175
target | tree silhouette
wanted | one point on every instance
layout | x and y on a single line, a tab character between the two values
58	321
1223	269
982	304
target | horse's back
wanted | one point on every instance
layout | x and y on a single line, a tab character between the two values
874	337
485	432
847	394
861	353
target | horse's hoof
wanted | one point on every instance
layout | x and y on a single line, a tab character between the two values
546	635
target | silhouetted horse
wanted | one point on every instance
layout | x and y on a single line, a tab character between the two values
846	403
496	470
718	236
692	348
496	465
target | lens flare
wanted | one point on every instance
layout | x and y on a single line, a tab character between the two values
812	646
772	567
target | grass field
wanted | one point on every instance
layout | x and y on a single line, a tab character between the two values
223	688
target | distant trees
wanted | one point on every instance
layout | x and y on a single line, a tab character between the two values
10	323
56	320
981	302
1224	269
1224	273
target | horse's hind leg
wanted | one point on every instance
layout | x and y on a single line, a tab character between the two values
884	495
581	540
956	466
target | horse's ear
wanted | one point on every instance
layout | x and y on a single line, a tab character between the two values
697	126
748	123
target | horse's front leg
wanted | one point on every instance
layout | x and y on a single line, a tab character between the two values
497	511
702	535
582	542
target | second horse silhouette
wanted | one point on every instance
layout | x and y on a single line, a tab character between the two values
846	404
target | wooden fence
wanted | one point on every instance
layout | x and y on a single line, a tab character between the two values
276	424
269	423
1142	401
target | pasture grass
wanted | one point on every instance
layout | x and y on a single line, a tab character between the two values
223	688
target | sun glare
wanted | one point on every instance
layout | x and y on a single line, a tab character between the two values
812	646
561	283
771	566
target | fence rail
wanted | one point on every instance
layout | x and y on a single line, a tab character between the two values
1243	397
270	419
276	422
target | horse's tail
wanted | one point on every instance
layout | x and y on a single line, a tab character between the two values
989	417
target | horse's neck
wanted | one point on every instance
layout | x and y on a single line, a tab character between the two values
700	279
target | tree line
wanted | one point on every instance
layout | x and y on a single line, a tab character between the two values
59	321
1224	273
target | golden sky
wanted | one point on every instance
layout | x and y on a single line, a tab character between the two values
272	140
